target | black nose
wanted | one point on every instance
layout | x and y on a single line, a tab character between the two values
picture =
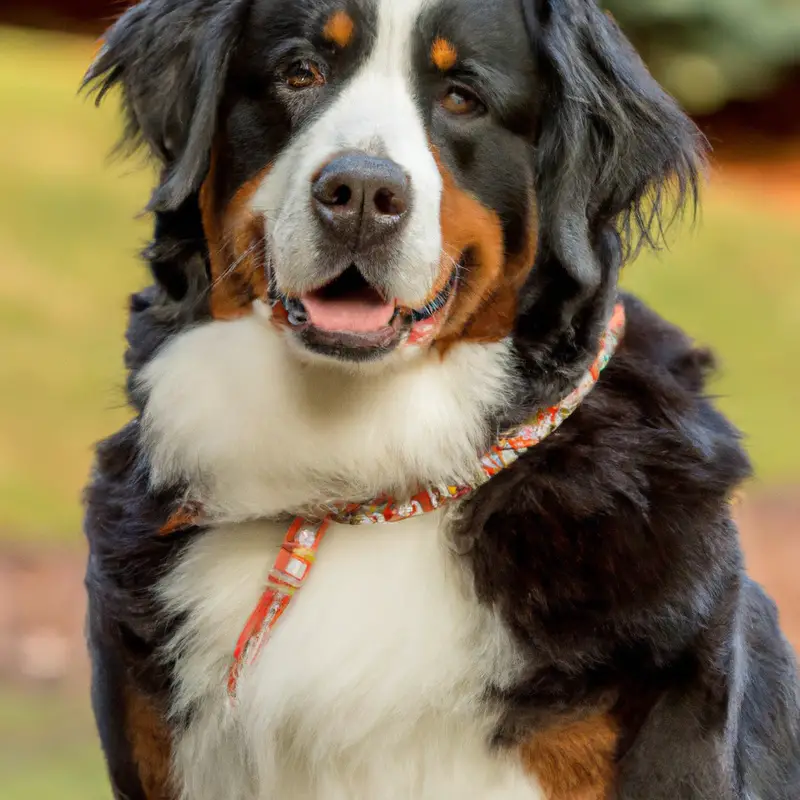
361	200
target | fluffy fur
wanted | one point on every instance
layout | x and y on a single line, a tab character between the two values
295	436
388	702
580	628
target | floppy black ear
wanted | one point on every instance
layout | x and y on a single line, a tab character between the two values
616	157
171	59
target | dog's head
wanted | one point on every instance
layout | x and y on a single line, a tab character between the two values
385	173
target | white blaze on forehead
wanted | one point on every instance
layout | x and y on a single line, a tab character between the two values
375	112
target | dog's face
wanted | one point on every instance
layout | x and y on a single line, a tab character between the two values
385	174
382	154
386	150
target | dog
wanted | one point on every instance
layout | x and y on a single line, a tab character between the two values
388	239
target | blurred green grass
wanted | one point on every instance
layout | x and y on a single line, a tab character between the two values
68	243
48	749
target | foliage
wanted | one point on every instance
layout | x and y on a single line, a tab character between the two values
707	52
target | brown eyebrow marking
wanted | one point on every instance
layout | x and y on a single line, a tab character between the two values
339	29
444	54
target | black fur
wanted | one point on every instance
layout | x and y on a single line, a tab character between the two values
617	532
609	549
171	58
615	159
125	626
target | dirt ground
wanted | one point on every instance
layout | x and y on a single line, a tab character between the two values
42	600
770	526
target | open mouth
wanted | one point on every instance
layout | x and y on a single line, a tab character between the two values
349	318
349	305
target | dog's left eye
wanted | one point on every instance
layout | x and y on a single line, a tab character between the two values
303	75
460	102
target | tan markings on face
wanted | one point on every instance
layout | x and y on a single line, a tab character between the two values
444	55
235	239
575	761
186	516
151	745
485	306
339	29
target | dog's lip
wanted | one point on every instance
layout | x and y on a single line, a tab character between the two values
438	302
381	339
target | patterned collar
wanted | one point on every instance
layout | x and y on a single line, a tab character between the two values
303	539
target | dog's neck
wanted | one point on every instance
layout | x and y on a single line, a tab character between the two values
234	416
263	434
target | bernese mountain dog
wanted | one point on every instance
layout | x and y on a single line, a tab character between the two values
385	339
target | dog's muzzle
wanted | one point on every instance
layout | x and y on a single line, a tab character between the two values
361	205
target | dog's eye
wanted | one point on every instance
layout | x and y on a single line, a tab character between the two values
461	101
303	75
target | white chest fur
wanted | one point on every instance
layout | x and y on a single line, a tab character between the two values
254	431
370	687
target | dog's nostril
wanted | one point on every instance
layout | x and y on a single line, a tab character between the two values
334	195
342	195
389	203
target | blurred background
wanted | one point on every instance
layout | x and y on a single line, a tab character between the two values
69	238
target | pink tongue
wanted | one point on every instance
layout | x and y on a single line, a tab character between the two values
362	312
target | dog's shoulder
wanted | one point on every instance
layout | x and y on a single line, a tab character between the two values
124	629
637	483
612	552
769	724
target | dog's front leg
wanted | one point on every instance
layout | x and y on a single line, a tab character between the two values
682	753
133	731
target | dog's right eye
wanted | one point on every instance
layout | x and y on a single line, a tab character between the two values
303	75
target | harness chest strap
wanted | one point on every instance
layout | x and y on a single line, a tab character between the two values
299	550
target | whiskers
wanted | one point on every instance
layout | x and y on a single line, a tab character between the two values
220	279
457	266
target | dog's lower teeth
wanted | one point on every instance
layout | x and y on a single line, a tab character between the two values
296	311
